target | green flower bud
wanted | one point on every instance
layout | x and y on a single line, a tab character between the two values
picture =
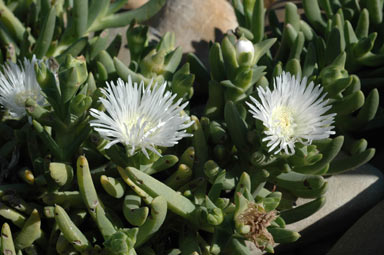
215	216
121	242
80	104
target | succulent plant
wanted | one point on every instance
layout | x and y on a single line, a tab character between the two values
319	50
158	62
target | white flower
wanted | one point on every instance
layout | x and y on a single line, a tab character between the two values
140	118
17	84
292	112
244	46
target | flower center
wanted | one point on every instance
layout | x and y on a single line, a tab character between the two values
141	123
283	121
22	96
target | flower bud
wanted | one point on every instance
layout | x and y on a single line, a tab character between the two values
215	217
79	63
244	52
80	104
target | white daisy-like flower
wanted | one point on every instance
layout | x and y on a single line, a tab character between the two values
17	84
140	118
292	112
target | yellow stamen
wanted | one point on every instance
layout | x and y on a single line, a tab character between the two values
282	120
